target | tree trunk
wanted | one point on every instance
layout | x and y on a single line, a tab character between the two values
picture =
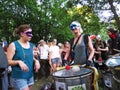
115	13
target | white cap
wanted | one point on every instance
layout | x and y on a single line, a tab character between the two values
41	41
75	24
98	37
60	44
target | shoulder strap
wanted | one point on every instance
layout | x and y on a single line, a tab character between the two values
86	39
71	43
86	44
73	47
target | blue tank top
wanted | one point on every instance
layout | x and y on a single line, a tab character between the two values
80	52
25	55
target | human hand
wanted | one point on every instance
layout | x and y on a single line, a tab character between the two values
36	65
90	63
99	52
23	66
99	49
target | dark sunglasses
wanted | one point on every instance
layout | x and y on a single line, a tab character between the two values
29	33
73	27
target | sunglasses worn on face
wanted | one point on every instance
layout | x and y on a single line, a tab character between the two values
29	33
73	27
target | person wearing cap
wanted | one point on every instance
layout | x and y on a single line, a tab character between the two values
114	41
44	62
80	53
101	50
20	58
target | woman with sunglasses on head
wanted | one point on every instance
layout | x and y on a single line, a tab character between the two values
21	58
78	47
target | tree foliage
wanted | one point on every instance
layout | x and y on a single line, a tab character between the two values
104	5
51	18
86	16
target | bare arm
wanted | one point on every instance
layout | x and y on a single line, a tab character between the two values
11	62
49	57
91	49
10	54
36	65
36	61
105	49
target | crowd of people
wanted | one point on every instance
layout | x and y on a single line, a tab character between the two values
28	61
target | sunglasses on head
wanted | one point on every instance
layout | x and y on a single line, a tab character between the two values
73	27
29	33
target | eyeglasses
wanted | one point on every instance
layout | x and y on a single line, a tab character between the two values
29	33
73	27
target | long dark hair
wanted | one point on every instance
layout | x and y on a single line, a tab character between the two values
97	43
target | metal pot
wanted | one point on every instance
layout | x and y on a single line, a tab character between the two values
113	64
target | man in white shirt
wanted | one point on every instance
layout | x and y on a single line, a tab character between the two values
44	52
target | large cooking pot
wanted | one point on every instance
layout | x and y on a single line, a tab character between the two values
74	80
113	64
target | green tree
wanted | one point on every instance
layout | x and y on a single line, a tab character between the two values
86	16
15	12
48	18
104	5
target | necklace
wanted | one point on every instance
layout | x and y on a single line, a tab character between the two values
24	55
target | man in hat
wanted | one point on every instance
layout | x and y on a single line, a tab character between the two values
44	52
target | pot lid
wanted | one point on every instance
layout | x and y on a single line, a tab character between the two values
70	73
114	61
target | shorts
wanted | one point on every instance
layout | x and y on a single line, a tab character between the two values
55	61
20	84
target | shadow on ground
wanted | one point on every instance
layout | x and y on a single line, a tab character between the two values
39	83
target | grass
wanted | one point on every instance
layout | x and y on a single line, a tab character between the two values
40	82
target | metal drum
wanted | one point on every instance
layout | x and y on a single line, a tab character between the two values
109	82
72	80
113	64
